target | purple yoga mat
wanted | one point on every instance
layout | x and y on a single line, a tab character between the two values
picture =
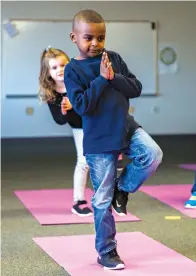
173	195
51	207
142	255
191	167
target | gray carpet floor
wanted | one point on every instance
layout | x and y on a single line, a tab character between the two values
49	163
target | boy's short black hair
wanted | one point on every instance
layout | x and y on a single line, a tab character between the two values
87	16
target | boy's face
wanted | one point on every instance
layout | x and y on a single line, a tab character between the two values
89	37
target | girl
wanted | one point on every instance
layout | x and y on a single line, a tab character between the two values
52	91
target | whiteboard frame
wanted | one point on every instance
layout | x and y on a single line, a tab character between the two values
155	38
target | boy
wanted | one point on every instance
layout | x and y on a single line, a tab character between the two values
99	87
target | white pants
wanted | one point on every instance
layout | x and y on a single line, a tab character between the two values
81	168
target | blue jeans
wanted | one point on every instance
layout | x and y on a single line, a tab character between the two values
145	155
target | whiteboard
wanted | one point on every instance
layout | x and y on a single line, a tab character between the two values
134	41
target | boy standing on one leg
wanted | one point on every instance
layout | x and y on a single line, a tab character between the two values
99	86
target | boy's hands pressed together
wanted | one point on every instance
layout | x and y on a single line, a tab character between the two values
111	72
106	69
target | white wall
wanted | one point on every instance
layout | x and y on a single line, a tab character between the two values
176	105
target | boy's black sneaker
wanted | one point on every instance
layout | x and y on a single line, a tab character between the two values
81	209
111	260
119	202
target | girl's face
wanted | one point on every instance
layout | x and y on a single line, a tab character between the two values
56	68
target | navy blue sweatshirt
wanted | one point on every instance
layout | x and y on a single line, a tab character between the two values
103	104
72	118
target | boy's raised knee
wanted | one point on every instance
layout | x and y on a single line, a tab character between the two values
157	156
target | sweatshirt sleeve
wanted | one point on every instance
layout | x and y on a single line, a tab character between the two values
57	115
83	99
126	82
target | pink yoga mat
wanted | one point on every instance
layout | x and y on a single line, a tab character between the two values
173	195
142	255
191	167
51	207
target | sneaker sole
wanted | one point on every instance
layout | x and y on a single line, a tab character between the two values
118	267
189	207
81	215
119	214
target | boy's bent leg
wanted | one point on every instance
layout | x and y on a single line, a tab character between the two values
103	173
146	156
